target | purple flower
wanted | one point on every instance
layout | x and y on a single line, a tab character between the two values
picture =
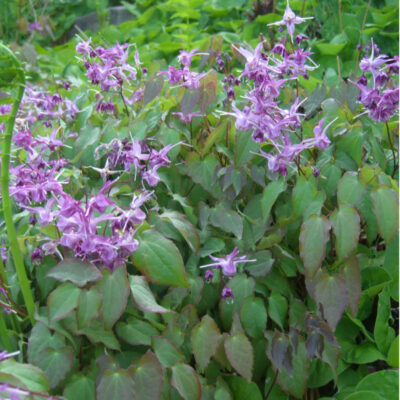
372	64
37	256
321	140
228	264
186	118
227	294
185	58
208	275
34	26
290	19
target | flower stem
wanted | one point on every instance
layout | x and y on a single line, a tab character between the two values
395	166
5	165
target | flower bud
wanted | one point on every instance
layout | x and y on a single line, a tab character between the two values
227	294
37	256
208	276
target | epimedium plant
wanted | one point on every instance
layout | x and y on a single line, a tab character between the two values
202	230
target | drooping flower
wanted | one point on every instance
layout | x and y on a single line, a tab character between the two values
228	264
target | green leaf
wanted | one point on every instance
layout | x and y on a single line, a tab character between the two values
363	353
270	195
186	382
136	332
152	89
76	271
241	389
55	363
329	49
159	260
332	173
393	353
350	189
96	333
314	235
245	146
374	279
166	351
346	227
277	308
142	295
363	395
63	300
331	291
383	333
303	194
254	316
32	377
114	287
208	86
205	338
385	207
215	136
88	306
80	387
202	171
351	274
391	265
385	383
115	385
185	228
228	220
148	378
240	354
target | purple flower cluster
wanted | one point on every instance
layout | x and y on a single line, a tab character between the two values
269	123
381	98
137	154
184	77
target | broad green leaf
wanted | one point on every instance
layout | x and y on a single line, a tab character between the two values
351	274
114	287
215	136
205	338
76	271
228	220
115	385
96	333
393	353
245	147
202	171
330	49
166	351
364	395
55	363
383	333
350	189
385	383
136	332
185	228
32	377
385	207
80	387
332	173
346	227
142	295
314	235
159	260
243	390
148	378
186	381
331	291
254	316
303	194
63	300
88	306
277	308
363	353
41	337
374	279
270	194
240	354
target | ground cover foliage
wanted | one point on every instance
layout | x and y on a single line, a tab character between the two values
201	203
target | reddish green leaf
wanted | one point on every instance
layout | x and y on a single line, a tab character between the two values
386	209
351	274
115	385
346	226
80	387
152	89
331	291
62	301
88	306
96	333
314	235
159	260
167	352
136	332
240	354
76	271
208	87
114	287
142	295
279	345
186	382
148	378
205	338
